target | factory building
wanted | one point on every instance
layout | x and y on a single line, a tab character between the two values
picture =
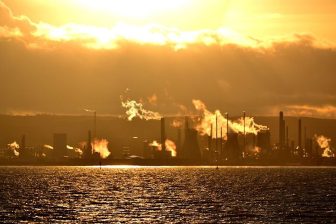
232	148
88	150
264	141
60	146
190	149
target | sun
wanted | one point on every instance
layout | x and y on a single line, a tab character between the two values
132	8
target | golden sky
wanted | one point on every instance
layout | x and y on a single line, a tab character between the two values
237	54
238	21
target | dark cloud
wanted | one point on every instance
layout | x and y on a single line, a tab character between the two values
229	77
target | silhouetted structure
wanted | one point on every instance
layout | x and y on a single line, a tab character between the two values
190	149
23	149
163	135
309	147
211	153
299	148
60	146
232	147
179	142
147	151
282	126
88	150
264	141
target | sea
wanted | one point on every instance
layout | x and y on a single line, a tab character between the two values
132	194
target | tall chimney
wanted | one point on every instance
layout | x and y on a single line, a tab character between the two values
221	143
89	145
282	127
216	125
287	137
179	141
210	142
23	144
305	138
244	149
300	136
227	126
163	134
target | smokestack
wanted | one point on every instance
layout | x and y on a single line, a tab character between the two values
244	114
210	143
23	144
300	135
60	145
89	144
221	142
287	137
216	134
95	125
227	126
186	123
179	142
163	134
282	127
305	138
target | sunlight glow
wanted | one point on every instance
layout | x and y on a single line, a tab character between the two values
110	38
132	8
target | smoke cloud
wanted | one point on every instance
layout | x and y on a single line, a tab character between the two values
136	109
209	119
170	146
324	144
14	146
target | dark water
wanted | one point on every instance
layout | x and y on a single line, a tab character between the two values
167	195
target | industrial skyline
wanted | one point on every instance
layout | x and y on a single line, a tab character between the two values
186	143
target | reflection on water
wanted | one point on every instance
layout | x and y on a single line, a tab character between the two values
162	194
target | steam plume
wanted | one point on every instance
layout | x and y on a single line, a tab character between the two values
136	109
170	146
208	118
48	147
77	150
90	111
176	123
14	147
324	144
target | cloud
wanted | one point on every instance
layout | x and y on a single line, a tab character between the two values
43	64
325	111
44	35
14	25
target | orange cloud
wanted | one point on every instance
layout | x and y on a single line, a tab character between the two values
44	35
14	25
327	111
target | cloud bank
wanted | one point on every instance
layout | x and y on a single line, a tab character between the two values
68	68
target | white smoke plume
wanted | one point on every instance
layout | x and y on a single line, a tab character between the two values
177	123
136	109
89	110
324	144
48	147
170	146
76	150
14	146
208	118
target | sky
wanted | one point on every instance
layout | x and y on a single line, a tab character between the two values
259	56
